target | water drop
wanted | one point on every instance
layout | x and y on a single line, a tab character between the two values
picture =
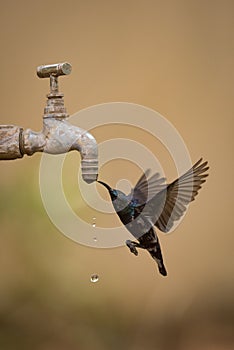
94	223
95	239
94	278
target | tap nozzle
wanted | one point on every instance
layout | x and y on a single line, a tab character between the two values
55	103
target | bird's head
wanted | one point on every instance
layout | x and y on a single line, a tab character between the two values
112	191
119	200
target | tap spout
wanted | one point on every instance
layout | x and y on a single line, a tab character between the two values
59	136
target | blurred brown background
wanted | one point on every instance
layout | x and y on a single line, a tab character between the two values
177	58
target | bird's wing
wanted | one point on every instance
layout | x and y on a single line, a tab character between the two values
169	205
145	188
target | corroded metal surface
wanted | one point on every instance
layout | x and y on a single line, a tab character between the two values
58	135
55	102
56	69
10	142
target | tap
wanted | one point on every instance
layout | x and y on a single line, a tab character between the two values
57	136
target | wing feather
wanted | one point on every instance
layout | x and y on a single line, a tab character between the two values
145	188
170	203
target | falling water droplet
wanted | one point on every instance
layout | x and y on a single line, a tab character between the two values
95	239
94	278
94	223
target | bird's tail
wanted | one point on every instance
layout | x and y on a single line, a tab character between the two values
156	254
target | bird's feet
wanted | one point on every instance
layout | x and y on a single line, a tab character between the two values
132	246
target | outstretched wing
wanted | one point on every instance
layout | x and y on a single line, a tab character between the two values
145	188
169	205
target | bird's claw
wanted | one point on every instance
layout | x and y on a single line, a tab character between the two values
131	245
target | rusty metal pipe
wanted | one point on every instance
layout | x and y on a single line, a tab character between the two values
58	135
11	140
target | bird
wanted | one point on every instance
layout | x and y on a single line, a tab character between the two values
154	203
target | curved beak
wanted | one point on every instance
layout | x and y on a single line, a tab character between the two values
105	185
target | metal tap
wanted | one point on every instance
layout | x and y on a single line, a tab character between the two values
57	136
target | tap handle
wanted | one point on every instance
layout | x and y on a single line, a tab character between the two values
55	104
55	70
